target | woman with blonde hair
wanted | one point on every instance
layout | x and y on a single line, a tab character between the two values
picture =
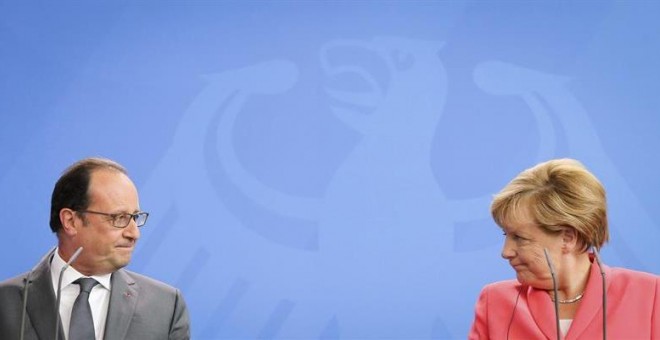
554	220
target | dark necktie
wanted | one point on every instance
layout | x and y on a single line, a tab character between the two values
82	325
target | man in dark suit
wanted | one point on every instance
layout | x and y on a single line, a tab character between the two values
94	206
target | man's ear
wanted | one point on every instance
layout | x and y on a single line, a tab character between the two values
68	220
569	239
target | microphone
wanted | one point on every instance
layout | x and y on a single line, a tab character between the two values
602	274
59	290
26	290
513	313
554	288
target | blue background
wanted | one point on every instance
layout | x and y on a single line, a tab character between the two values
324	169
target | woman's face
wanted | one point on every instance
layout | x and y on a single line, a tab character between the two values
523	248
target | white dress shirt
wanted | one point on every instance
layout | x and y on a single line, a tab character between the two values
99	297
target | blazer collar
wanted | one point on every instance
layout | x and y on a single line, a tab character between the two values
592	303
41	301
123	301
543	311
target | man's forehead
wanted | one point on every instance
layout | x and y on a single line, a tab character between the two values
109	182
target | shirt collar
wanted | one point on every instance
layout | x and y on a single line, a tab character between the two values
71	274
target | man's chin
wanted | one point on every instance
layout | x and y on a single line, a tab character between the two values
122	261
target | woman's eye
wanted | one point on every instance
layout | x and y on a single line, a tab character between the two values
515	237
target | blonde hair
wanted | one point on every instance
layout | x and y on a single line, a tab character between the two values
557	193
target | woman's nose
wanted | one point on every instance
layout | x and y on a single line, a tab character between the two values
507	249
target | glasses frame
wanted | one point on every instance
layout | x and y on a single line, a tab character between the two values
114	217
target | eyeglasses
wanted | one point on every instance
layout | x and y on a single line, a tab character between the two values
122	220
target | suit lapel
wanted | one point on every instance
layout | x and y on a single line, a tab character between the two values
123	300
41	302
591	304
543	311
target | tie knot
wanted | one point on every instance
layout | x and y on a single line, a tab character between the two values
86	284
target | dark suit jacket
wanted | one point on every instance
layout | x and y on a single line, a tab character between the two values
140	308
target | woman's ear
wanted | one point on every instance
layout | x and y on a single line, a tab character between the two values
569	239
68	220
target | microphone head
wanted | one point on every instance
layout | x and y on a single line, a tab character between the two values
73	258
554	289
547	259
597	257
59	290
76	254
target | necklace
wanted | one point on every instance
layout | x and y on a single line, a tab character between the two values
568	301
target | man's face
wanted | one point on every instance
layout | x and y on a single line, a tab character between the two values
105	247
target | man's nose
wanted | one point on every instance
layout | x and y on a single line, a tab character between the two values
132	231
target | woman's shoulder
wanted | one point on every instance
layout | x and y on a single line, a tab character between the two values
630	274
628	278
503	287
501	294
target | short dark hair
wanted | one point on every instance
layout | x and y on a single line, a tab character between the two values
71	189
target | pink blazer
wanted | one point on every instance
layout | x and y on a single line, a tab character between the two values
633	309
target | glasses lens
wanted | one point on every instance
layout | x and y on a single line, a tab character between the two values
122	220
141	218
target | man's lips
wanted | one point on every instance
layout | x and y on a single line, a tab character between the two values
126	246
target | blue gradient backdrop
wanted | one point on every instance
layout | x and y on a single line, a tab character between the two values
323	170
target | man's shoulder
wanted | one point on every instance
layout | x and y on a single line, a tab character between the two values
153	294
15	282
144	281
